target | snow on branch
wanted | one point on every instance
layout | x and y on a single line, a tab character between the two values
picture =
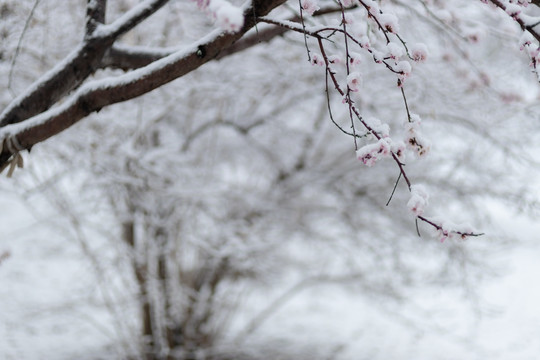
133	57
76	67
95	15
95	95
129	20
530	40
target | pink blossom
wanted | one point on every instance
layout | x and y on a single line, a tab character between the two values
444	234
525	40
335	59
354	81
309	6
364	42
513	10
377	56
229	17
394	50
369	154
377	126
418	144
419	52
389	22
354	58
347	3
419	200
398	148
317	59
404	68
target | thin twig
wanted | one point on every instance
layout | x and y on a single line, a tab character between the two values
18	48
394	189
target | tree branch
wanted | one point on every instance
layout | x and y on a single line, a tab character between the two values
521	23
98	94
129	58
76	67
95	15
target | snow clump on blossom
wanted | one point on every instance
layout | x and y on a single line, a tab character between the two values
389	22
317	59
403	68
383	130
513	10
525	40
354	81
369	154
414	139
347	3
354	58
448	230
309	6
228	17
394	50
419	199
419	52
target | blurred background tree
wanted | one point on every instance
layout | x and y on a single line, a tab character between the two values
203	206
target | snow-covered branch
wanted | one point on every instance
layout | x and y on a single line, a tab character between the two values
132	57
96	95
76	67
95	15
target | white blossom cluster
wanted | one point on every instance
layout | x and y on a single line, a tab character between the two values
373	33
529	23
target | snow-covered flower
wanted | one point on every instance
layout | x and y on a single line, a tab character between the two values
354	81
418	200
444	234
364	42
414	138
369	154
419	144
394	50
404	68
309	6
354	58
317	59
335	59
228	17
525	40
419	52
513	10
398	148
389	22
378	56
383	130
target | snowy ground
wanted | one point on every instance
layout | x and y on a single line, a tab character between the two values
47	310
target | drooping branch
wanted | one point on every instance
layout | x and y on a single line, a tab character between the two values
95	95
76	67
522	24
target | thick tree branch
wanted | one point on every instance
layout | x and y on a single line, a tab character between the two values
95	15
78	65
96	95
129	58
